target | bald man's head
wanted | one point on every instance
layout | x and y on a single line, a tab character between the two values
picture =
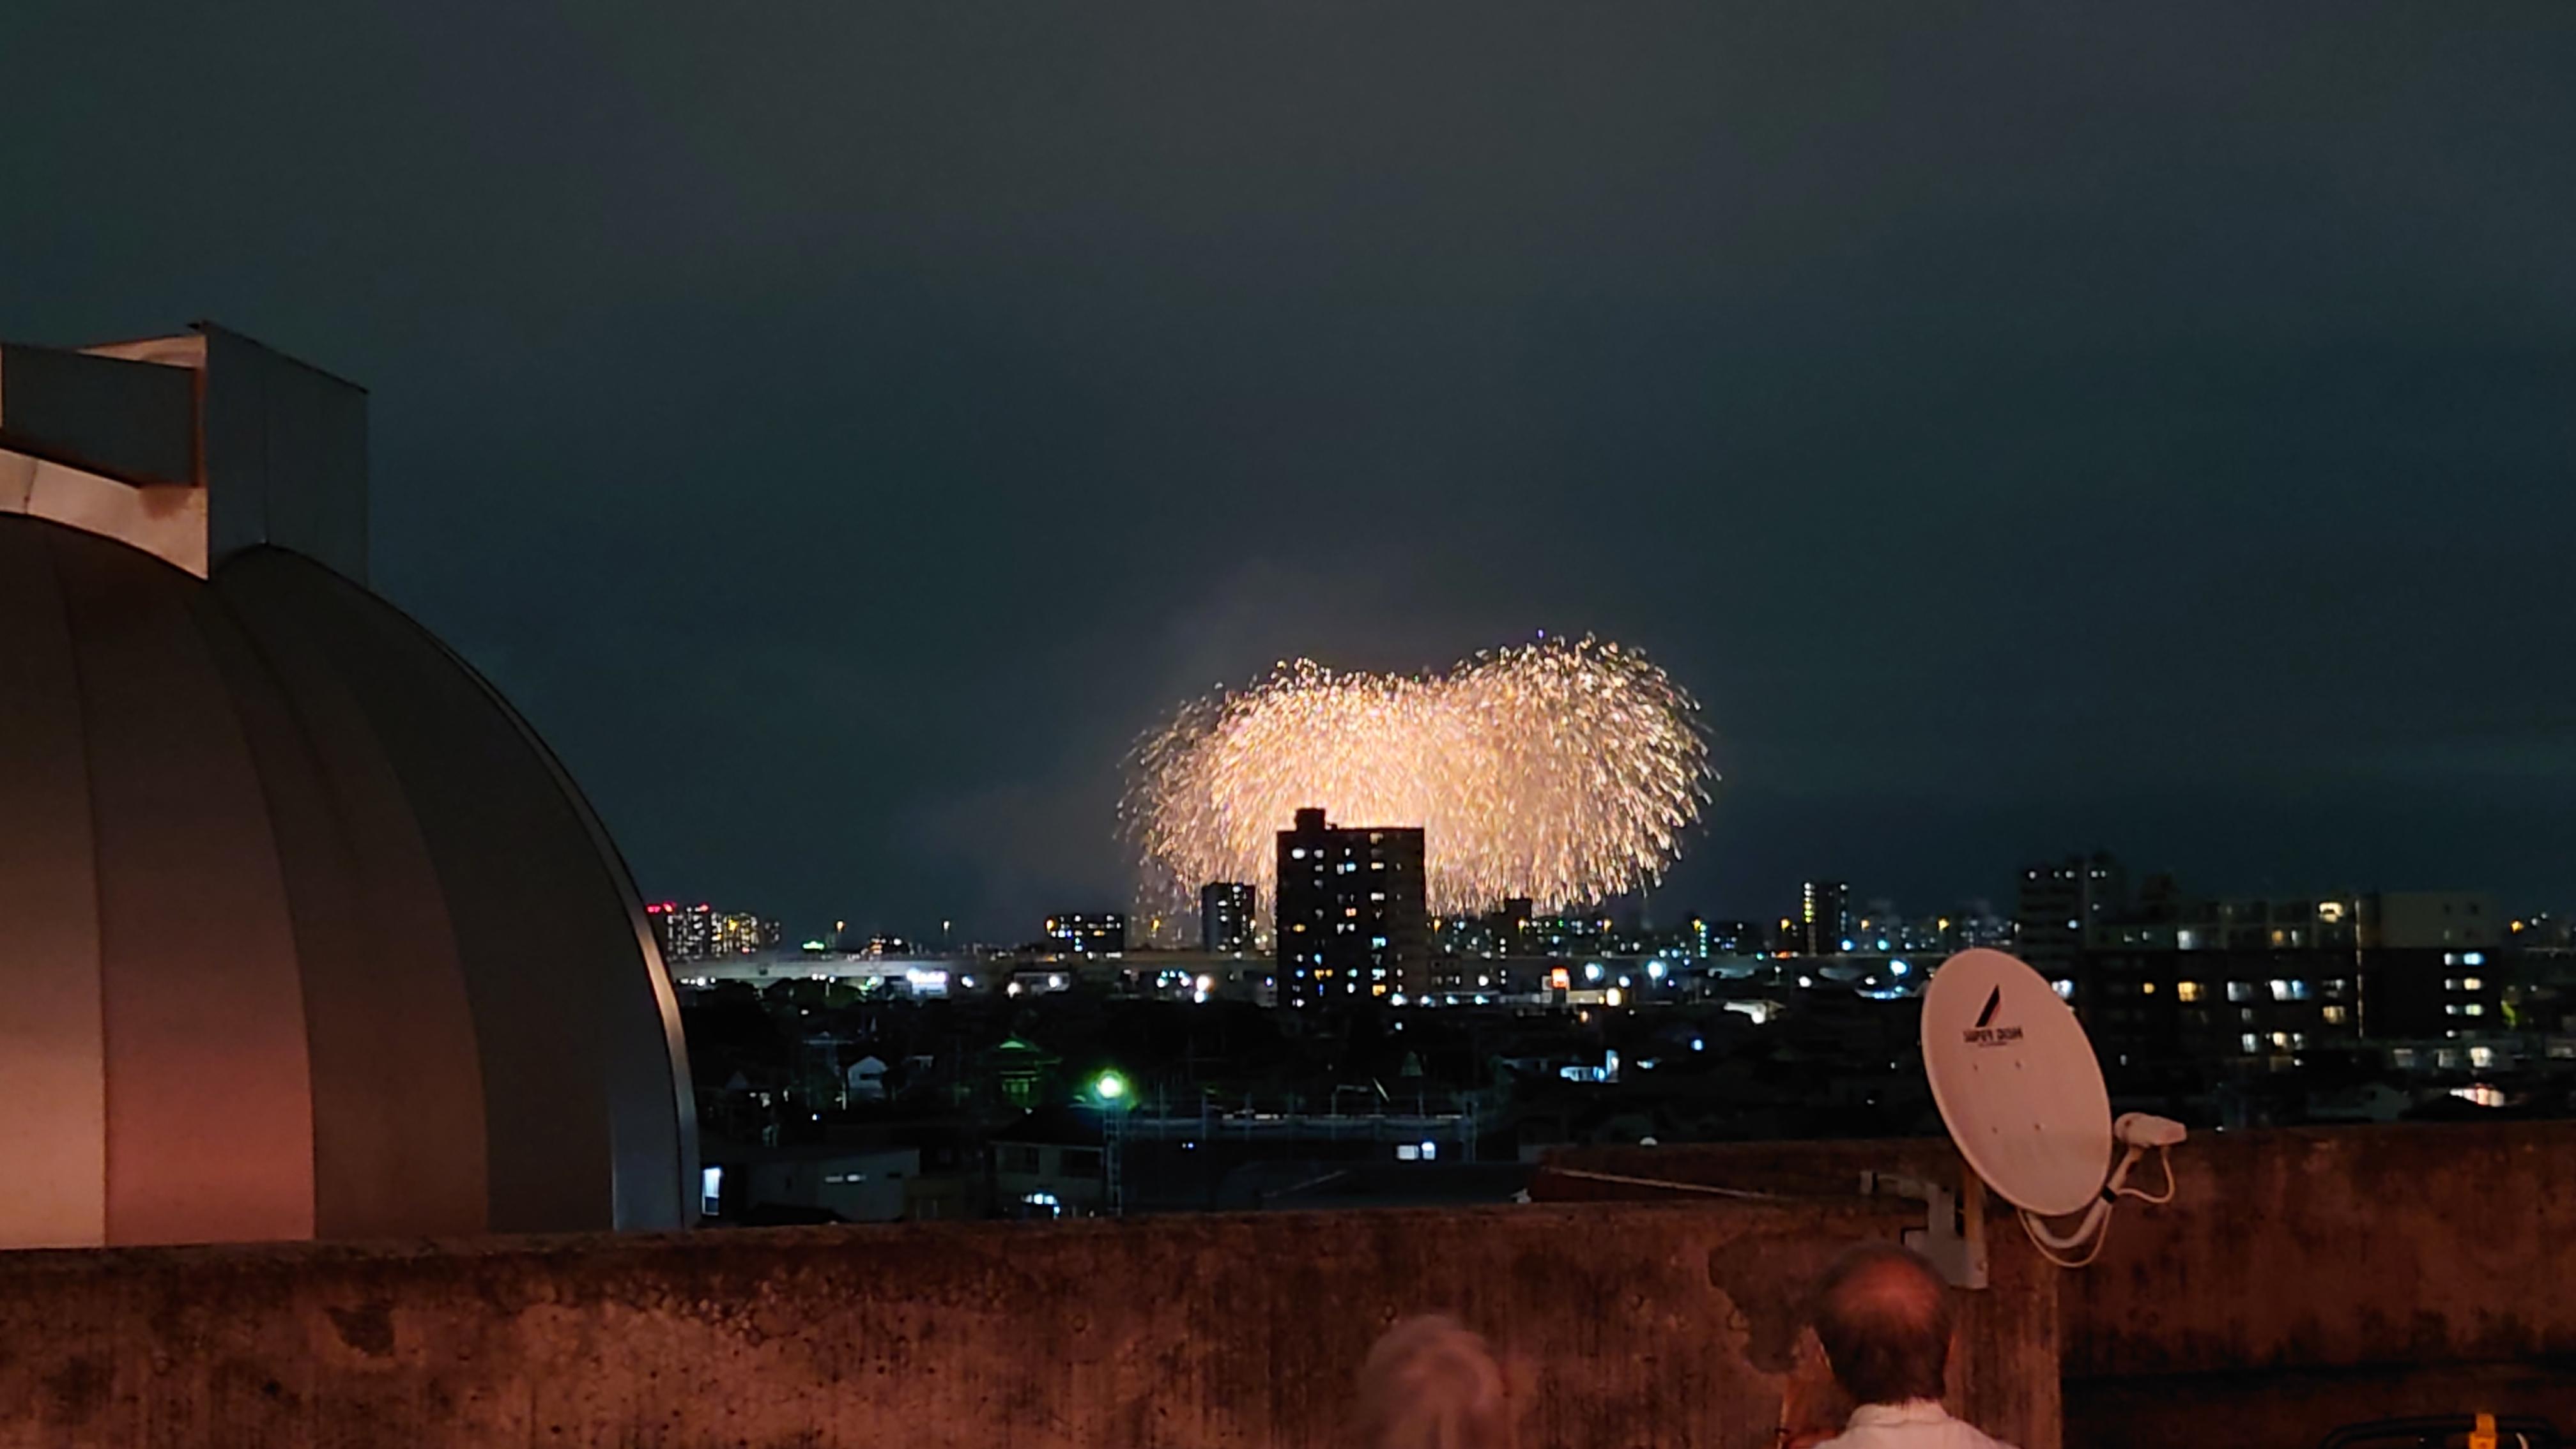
1883	1316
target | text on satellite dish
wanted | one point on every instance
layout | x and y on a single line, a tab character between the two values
1985	1033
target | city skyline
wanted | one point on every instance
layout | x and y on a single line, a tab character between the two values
1819	916
2146	432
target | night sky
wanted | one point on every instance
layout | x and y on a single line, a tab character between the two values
841	428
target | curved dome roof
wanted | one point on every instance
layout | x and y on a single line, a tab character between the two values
307	934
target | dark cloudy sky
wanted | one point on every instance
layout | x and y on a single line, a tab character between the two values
841	427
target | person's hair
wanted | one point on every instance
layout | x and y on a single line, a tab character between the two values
1431	1384
1884	1318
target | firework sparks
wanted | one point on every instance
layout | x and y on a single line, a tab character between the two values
1564	771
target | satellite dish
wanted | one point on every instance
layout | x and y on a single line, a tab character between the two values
2021	1092
2017	1083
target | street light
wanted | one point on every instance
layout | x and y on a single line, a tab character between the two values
1109	1089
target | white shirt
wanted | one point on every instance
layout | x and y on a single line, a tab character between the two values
1915	1424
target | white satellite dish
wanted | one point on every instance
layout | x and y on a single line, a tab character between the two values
2021	1092
2015	1078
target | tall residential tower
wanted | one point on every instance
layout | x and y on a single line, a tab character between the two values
1226	914
1352	920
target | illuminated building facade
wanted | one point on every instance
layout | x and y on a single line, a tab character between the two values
1724	938
703	933
1824	917
1093	933
1352	919
1226	916
2061	902
740	933
2197	980
685	933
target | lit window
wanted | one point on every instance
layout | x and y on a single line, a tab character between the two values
2240	991
2187	991
2474	1008
2473	958
2149	988
2280	1039
2251	1043
2472	983
2335	1015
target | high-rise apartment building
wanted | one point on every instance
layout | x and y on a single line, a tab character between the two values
1352	922
685	933
741	933
1824	916
1226	916
701	932
2060	903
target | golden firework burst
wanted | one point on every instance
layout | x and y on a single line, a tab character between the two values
1564	770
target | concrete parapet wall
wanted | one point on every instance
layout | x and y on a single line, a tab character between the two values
2337	1247
2300	1279
1633	1325
2311	1277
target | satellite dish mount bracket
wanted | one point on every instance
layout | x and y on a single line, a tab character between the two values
1953	1236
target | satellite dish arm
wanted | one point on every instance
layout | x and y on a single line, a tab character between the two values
2140	1133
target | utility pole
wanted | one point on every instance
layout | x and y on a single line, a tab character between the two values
1112	1140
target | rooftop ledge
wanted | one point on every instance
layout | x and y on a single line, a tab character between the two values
2301	1279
